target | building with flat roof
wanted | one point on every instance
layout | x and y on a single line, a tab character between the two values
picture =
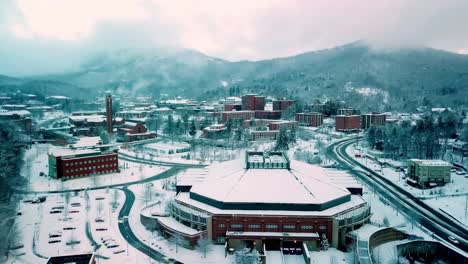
347	123
72	163
267	199
373	119
309	119
237	115
253	102
428	173
282	104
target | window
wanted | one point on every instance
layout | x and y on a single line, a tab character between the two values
237	225
254	226
221	240
323	227
289	226
221	225
307	227
271	226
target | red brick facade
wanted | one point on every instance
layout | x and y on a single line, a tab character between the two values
281	105
88	165
288	224
236	115
309	119
347	123
268	114
368	120
253	102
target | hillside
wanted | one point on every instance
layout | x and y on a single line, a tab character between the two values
374	79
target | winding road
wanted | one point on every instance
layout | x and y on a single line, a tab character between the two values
439	224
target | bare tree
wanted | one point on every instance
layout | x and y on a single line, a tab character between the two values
204	245
67	198
115	199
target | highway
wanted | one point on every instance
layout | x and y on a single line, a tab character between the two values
440	225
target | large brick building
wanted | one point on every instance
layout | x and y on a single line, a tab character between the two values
282	104
309	119
71	163
253	102
372	119
347	123
287	202
237	115
263	114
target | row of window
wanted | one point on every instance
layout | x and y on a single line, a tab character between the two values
272	226
91	167
89	161
97	172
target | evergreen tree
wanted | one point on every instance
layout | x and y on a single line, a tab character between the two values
170	127
282	141
185	119
293	134
193	128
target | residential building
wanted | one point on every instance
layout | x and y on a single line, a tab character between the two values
345	111
253	102
237	115
309	119
373	119
282	104
347	123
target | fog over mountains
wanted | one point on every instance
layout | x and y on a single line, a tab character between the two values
387	79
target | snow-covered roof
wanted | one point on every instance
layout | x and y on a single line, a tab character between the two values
355	202
16	112
432	162
230	182
65	152
87	142
88	118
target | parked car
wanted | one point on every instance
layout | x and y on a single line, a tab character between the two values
39	199
118	251
460	172
75	204
74	211
54	241
69	228
99	220
55	211
55	234
99	198
112	245
453	240
59	207
101	228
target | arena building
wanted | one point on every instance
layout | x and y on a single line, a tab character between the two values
268	200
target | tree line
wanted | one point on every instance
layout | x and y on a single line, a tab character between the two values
426	139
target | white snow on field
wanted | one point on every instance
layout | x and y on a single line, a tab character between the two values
36	162
331	256
451	197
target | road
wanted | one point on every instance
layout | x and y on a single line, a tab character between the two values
440	225
127	233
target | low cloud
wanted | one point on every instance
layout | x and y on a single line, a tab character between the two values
50	38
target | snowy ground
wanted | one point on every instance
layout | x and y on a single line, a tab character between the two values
452	197
36	161
37	224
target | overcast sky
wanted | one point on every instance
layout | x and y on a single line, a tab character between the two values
39	36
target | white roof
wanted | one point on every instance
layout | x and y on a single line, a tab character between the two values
87	142
64	152
304	184
88	118
432	162
355	202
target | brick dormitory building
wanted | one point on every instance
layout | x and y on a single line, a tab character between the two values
268	200
72	163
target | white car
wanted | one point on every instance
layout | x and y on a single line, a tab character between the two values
453	240
460	172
